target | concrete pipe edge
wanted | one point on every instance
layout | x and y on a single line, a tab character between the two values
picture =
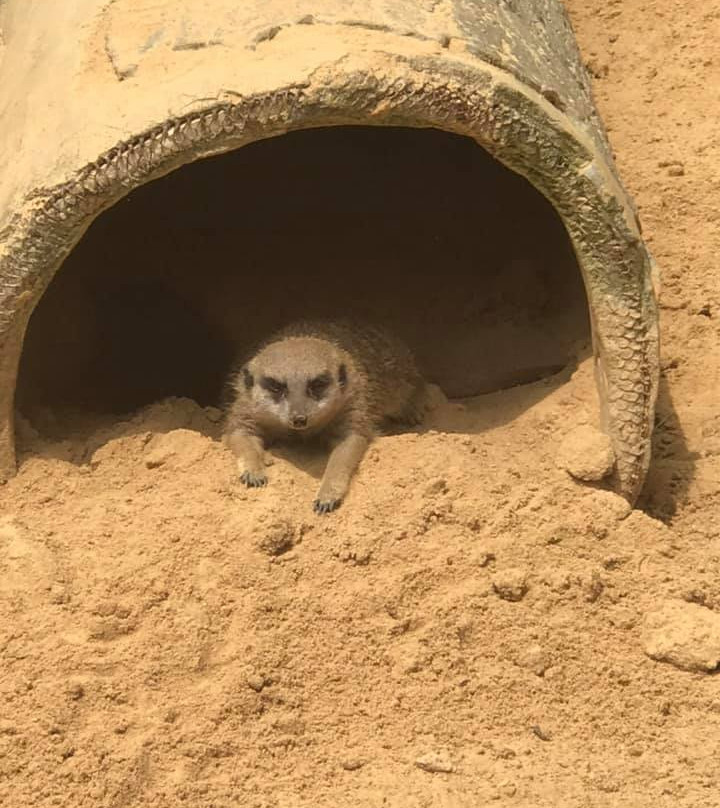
515	123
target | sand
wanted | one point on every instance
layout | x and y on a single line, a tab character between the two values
473	627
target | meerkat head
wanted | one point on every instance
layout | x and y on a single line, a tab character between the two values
299	383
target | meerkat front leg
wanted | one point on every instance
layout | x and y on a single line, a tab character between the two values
344	460
249	451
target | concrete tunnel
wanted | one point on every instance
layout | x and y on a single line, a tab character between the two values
443	170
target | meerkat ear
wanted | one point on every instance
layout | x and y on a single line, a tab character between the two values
248	378
342	375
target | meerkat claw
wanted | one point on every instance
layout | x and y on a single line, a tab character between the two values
326	505
253	480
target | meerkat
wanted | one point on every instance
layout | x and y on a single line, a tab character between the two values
335	380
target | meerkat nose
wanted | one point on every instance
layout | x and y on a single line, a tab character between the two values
299	421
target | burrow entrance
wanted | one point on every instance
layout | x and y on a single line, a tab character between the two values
418	228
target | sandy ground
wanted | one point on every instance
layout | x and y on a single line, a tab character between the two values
471	628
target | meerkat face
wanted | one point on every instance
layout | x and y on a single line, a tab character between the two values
298	383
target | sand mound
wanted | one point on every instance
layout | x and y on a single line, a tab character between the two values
470	619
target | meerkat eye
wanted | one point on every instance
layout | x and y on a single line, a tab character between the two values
277	389
317	387
342	375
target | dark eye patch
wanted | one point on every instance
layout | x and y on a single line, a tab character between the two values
318	386
276	388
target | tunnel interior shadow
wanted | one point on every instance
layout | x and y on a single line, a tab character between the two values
418	229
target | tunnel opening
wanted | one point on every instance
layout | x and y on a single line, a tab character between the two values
418	229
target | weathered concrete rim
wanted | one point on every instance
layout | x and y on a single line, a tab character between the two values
510	120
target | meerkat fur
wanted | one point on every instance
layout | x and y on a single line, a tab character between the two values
337	380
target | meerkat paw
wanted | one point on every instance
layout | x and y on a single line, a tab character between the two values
253	480
413	416
417	407
322	506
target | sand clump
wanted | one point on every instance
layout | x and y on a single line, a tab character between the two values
511	584
686	635
170	638
586	454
